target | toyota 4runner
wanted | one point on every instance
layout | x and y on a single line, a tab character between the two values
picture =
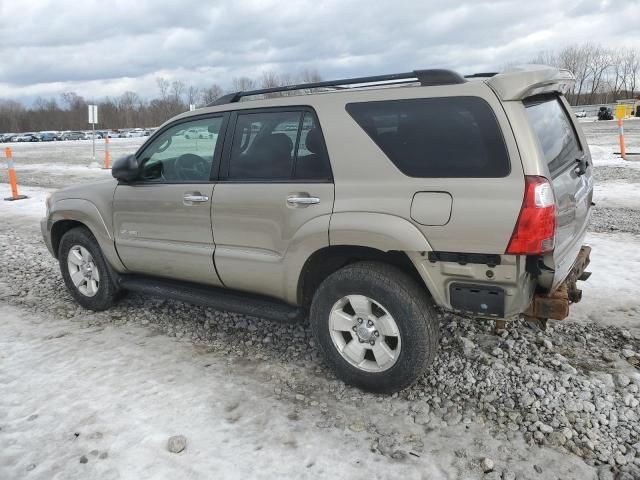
363	204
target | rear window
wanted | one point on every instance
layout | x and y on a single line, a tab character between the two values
436	137
554	130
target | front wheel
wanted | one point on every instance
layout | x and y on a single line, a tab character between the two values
375	325
85	270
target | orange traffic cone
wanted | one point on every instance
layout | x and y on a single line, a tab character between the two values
12	178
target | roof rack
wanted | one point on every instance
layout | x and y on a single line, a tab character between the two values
425	77
482	75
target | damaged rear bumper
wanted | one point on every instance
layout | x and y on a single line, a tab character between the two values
555	304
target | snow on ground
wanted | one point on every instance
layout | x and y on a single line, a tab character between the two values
617	195
114	396
605	156
70	152
64	168
77	389
612	295
33	207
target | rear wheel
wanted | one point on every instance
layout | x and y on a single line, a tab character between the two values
85	270
376	326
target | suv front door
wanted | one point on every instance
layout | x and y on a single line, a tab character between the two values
274	199
162	221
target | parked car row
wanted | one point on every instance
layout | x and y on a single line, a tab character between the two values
54	136
19	137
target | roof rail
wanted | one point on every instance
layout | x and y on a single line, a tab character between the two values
482	75
425	77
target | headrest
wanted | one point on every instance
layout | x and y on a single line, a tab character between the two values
314	142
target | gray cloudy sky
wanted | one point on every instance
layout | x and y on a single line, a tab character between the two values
100	48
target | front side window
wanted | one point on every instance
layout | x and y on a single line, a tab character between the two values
182	153
454	137
555	132
278	146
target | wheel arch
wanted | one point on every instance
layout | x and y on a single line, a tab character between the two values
72	213
59	228
381	231
327	260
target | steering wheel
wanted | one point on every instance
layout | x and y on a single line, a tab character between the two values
191	167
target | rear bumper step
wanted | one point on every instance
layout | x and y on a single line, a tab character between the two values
555	304
218	298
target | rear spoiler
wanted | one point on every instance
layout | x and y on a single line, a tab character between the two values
521	82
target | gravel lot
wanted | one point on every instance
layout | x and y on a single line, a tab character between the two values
523	404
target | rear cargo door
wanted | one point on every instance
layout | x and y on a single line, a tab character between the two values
567	157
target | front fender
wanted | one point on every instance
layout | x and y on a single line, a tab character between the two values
85	212
376	230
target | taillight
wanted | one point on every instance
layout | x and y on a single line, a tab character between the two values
536	227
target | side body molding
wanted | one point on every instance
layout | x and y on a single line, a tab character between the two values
376	230
87	213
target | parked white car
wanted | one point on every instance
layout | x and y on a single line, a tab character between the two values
136	132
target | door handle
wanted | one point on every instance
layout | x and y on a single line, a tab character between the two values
302	201
190	198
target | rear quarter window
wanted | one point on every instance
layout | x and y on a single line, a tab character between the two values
555	132
451	137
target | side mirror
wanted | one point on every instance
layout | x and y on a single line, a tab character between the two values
126	169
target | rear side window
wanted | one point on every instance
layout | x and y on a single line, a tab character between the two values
278	146
554	130
452	137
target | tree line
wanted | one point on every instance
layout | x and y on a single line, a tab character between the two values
603	75
69	111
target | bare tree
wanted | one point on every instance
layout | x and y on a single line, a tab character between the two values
177	90
243	84
163	86
270	80
546	57
632	61
193	94
309	76
600	61
602	74
127	107
211	94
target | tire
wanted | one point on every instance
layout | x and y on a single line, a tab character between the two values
392	292
103	293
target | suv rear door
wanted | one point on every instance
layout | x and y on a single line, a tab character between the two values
273	201
564	151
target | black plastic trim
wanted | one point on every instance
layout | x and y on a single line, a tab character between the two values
482	75
425	77
535	265
484	300
214	297
489	259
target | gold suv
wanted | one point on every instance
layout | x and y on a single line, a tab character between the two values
364	205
